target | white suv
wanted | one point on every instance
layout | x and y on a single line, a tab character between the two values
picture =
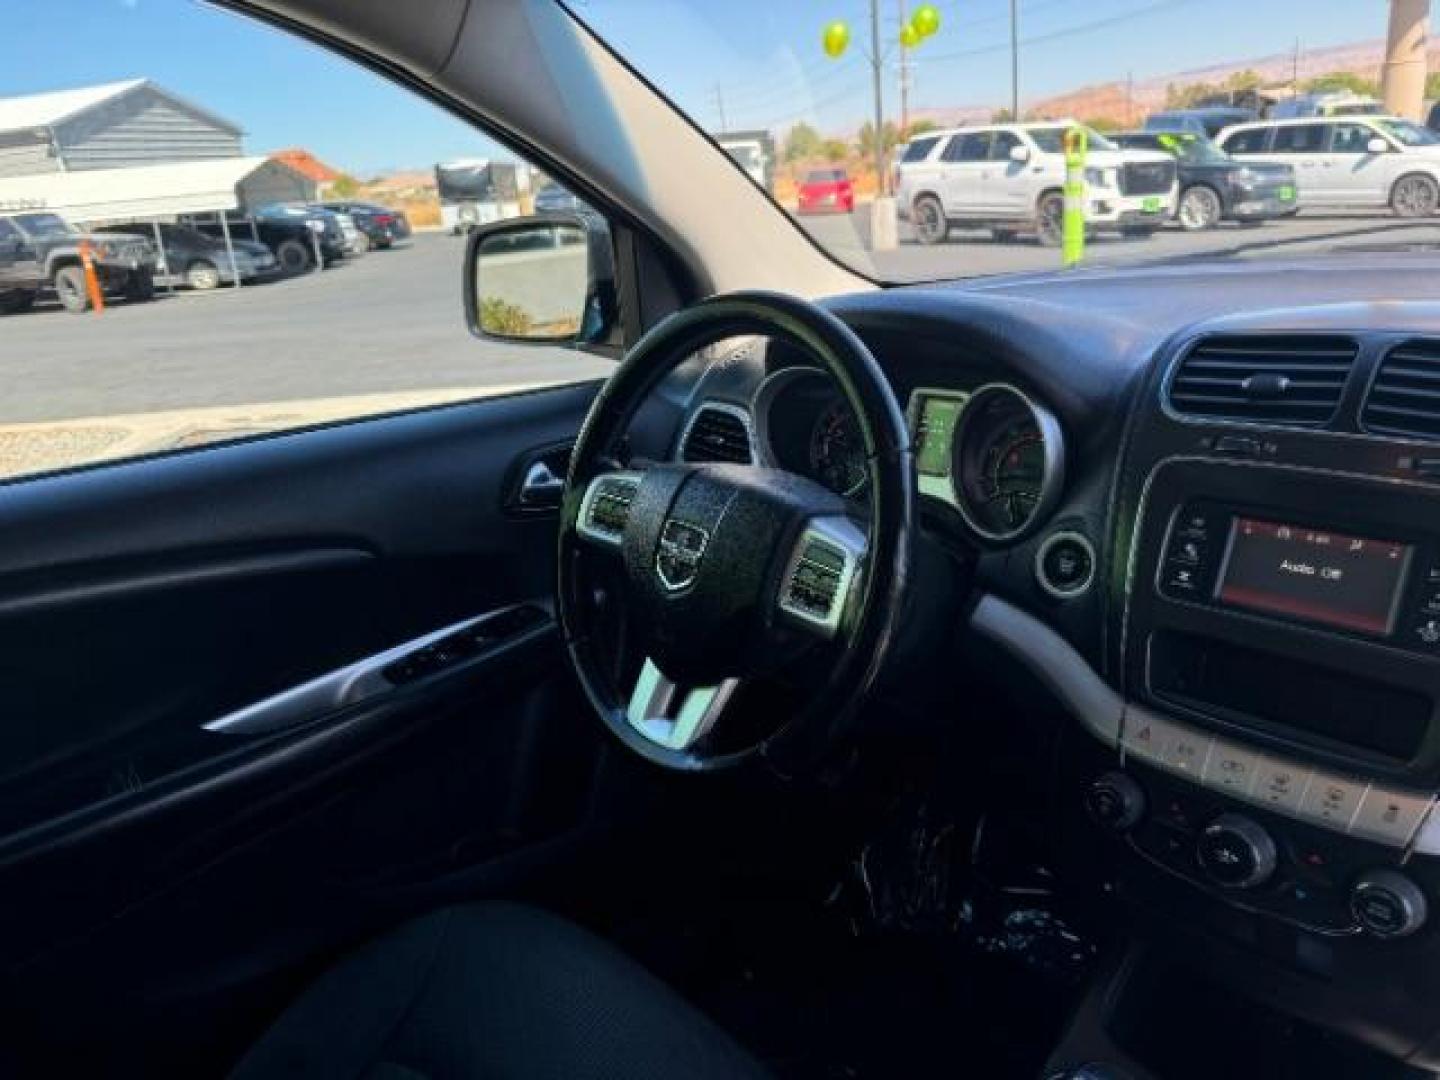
1357	161
1010	177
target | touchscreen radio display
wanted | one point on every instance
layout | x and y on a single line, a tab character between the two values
1349	582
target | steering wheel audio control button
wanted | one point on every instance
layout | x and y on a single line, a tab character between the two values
1236	852
1065	565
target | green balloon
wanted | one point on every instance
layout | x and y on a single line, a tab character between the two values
926	20
909	36
835	39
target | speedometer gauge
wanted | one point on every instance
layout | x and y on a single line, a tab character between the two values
1008	465
837	454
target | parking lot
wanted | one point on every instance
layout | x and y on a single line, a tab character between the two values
385	332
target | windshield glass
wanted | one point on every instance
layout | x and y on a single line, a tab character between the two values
39	225
949	119
1408	133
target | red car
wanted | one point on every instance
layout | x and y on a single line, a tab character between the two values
826	189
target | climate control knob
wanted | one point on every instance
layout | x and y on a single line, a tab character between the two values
1116	801
1236	852
1388	904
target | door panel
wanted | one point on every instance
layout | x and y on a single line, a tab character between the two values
140	602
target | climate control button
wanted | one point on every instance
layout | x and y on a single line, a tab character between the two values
1236	852
1116	801
1388	904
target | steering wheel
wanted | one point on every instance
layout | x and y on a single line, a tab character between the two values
733	575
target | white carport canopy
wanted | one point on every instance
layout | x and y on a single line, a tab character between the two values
156	191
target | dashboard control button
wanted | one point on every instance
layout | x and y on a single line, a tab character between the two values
1332	800
1389	816
1280	784
1116	801
1186	751
1388	904
1146	736
1236	852
1065	565
1187	552
1425	631
1230	768
1182	580
1238	445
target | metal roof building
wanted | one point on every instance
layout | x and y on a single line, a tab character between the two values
112	126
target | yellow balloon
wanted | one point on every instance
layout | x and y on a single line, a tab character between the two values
926	20
835	39
909	36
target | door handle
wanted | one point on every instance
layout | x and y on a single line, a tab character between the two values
541	485
537	482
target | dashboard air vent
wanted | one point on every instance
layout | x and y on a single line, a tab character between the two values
1404	399
717	434
1294	380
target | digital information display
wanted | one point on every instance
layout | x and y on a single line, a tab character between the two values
1349	582
934	433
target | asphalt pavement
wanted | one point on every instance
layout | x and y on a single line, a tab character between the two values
390	322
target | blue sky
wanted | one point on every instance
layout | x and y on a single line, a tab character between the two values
763	56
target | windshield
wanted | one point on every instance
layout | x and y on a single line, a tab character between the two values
41	225
949	120
1409	134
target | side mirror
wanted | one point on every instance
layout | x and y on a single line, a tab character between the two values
1020	154
1377	145
546	279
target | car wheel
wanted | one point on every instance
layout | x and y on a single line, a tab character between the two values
1416	195
140	286
202	275
70	288
927	218
293	257
1199	209
1050	220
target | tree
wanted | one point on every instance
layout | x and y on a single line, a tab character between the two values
1242	82
834	150
920	127
889	138
1432	85
802	142
1105	124
345	186
1344	81
1002	116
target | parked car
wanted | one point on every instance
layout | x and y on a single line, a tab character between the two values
555	198
1009	177
292	233
1358	162
1330	103
826	190
352	239
1207	121
380	225
41	250
191	257
1214	187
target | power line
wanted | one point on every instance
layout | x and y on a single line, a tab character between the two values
1060	35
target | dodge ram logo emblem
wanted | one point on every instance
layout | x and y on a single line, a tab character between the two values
678	561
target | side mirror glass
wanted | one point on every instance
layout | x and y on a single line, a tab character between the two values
1020	154
545	279
1377	145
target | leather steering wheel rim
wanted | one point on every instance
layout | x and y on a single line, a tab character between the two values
874	612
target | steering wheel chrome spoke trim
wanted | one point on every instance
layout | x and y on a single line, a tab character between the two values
605	507
823	573
673	716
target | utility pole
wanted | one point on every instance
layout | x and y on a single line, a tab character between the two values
1015	61
1295	71
1129	98
875	65
720	107
904	77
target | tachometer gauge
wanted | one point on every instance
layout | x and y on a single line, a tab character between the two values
837	454
1008	467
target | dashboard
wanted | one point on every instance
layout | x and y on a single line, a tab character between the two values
1206	522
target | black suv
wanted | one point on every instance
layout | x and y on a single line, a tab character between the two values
1214	186
290	232
40	249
